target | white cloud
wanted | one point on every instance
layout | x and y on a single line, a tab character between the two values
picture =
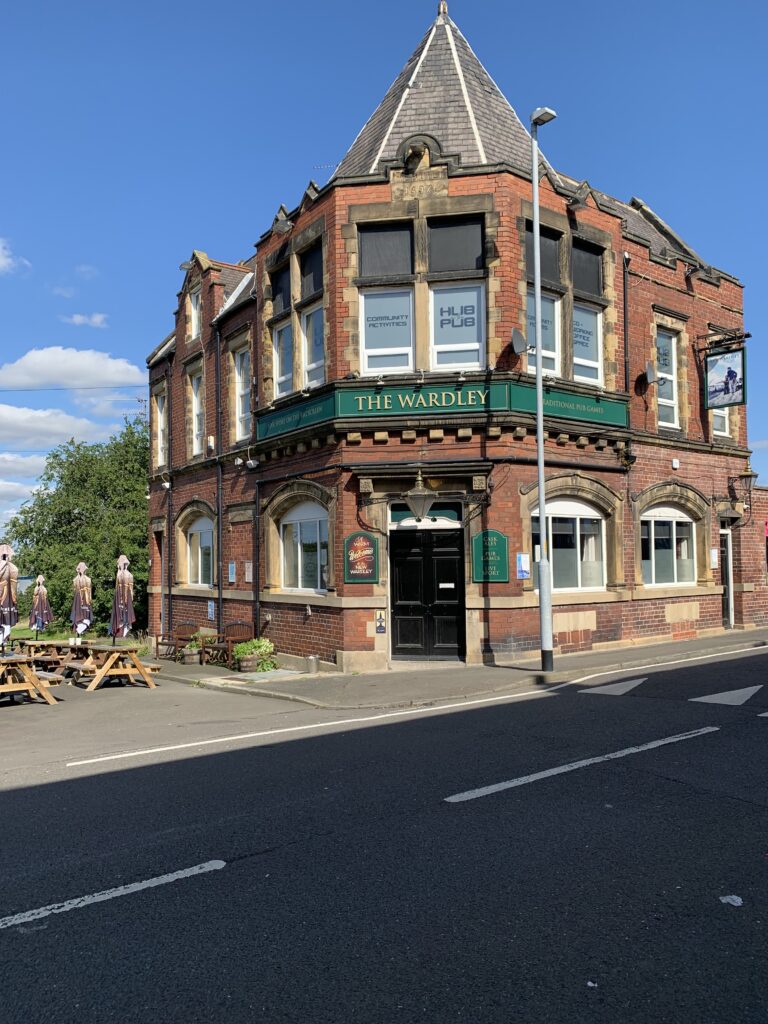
87	271
61	367
86	319
10	491
21	467
64	292
8	261
40	429
108	404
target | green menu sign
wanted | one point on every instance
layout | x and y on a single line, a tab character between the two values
490	557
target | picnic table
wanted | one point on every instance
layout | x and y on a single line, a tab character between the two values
119	662
18	675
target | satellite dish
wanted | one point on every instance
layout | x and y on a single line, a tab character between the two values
519	344
650	372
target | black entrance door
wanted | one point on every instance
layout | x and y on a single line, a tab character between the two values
725	577
427	574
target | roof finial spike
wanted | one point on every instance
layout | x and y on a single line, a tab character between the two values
442	9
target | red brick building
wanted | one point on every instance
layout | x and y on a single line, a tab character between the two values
364	355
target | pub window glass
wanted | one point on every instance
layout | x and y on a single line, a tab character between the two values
386	250
456	243
550	253
587	268
312	271
281	291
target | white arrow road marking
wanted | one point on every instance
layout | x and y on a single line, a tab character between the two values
109	894
616	689
473	794
733	697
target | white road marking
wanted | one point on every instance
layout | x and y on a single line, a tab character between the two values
109	894
409	712
498	787
677	661
616	689
733	697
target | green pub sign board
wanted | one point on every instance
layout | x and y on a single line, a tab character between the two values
568	405
490	557
361	558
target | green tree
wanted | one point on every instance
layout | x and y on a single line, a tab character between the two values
90	506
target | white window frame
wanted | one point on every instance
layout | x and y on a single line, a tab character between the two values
243	417
198	412
409	351
195	310
598	364
436	347
726	432
161	428
283	381
201	527
566	508
673	515
311	513
318	364
558	353
668	403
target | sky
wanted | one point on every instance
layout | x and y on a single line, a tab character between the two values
135	133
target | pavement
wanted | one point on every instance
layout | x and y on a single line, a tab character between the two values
424	684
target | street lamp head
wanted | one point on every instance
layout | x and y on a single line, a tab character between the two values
542	115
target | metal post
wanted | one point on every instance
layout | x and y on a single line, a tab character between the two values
545	579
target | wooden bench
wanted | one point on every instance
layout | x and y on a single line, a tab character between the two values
218	648
184	632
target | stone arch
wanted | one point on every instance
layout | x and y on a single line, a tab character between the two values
593	492
694	503
185	517
274	508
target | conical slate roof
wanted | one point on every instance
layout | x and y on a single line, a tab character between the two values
443	91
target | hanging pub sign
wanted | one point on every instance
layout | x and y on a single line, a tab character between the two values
726	379
490	557
361	558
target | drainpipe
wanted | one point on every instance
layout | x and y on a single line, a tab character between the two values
255	556
169	524
219	528
627	259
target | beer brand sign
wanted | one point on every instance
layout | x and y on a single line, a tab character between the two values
361	558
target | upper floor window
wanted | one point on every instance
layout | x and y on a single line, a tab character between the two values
282	338
667	546
720	423
455	244
387	330
281	291
161	427
312	329
576	535
304	540
386	250
587	344
311	264
195	302
550	334
549	249
200	552
243	393
458	327
198	412
666	371
587	268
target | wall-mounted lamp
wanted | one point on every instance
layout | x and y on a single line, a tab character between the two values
166	482
419	499
743	483
251	464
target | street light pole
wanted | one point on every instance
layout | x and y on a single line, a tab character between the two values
541	116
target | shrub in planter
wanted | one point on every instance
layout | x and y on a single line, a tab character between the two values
255	655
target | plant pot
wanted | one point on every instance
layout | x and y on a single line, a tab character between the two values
191	657
249	663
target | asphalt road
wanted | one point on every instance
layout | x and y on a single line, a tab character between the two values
339	884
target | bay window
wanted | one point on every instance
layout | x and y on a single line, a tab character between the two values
576	535
667	547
